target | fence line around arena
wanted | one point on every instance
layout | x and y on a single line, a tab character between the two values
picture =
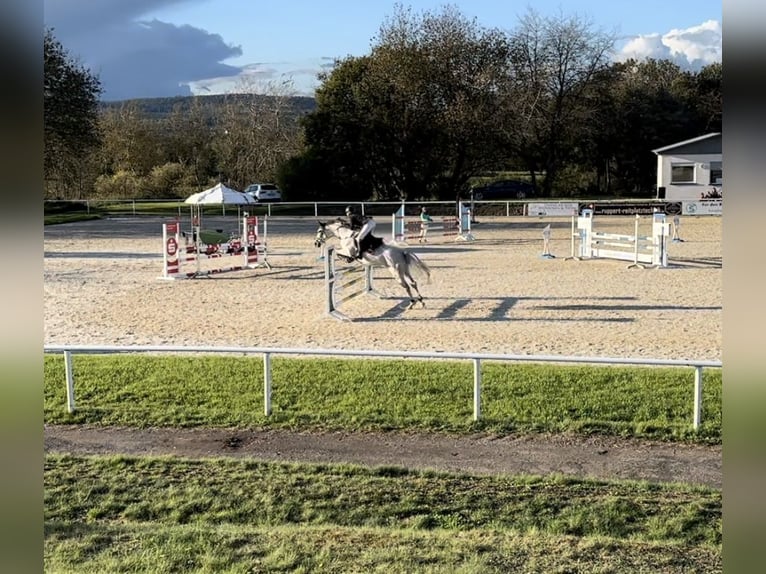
512	207
475	358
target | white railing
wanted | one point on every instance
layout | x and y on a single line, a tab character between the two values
512	207
476	358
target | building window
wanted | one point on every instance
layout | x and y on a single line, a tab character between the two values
682	173
716	173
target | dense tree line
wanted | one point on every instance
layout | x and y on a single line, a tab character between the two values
70	119
437	103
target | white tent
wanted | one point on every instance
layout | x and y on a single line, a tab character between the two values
219	194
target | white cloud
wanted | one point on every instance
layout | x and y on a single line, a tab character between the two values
134	57
296	78
690	48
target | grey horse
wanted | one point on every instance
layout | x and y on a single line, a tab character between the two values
398	260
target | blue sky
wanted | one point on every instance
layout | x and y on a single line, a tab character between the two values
152	48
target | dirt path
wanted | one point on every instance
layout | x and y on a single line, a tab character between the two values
592	457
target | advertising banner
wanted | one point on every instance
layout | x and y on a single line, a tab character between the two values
703	207
552	209
633	208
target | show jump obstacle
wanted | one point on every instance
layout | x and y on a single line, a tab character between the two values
183	254
338	282
459	227
639	250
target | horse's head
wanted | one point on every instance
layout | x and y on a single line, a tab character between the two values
336	228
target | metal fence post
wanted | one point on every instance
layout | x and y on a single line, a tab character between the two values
476	389
267	384
697	397
69	381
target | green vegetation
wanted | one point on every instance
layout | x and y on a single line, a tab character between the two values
217	391
71	121
68	218
164	107
169	514
124	514
438	102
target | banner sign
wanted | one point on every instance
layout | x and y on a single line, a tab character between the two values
633	208
703	207
552	209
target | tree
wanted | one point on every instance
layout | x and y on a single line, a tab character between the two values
166	157
188	132
708	97
70	112
557	64
415	118
652	104
254	134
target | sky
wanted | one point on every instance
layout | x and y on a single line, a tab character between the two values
161	48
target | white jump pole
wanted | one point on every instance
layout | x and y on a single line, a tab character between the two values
635	246
572	240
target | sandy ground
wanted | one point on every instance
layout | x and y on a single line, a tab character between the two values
495	294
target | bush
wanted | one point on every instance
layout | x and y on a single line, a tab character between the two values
121	185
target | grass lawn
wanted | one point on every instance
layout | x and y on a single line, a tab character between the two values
163	514
341	394
169	514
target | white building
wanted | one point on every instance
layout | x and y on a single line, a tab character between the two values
691	169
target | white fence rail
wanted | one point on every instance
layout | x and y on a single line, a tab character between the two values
513	207
475	358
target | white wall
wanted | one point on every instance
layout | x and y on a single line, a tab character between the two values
701	175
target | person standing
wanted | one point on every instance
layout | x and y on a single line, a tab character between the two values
425	219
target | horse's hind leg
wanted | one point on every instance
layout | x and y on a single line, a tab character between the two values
409	292
403	282
420	297
411	284
397	274
407	274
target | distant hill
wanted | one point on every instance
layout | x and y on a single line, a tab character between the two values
159	108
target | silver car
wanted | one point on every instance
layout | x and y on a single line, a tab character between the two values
264	192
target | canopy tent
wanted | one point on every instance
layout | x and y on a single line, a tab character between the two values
219	194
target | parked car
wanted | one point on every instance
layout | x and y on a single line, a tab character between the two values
504	189
264	192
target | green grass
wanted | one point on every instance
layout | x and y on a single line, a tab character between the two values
169	514
164	514
338	394
69	218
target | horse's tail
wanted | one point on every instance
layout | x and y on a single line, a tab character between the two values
416	262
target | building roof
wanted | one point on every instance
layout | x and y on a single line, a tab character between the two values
661	150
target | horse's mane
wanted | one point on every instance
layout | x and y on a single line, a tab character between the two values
338	227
